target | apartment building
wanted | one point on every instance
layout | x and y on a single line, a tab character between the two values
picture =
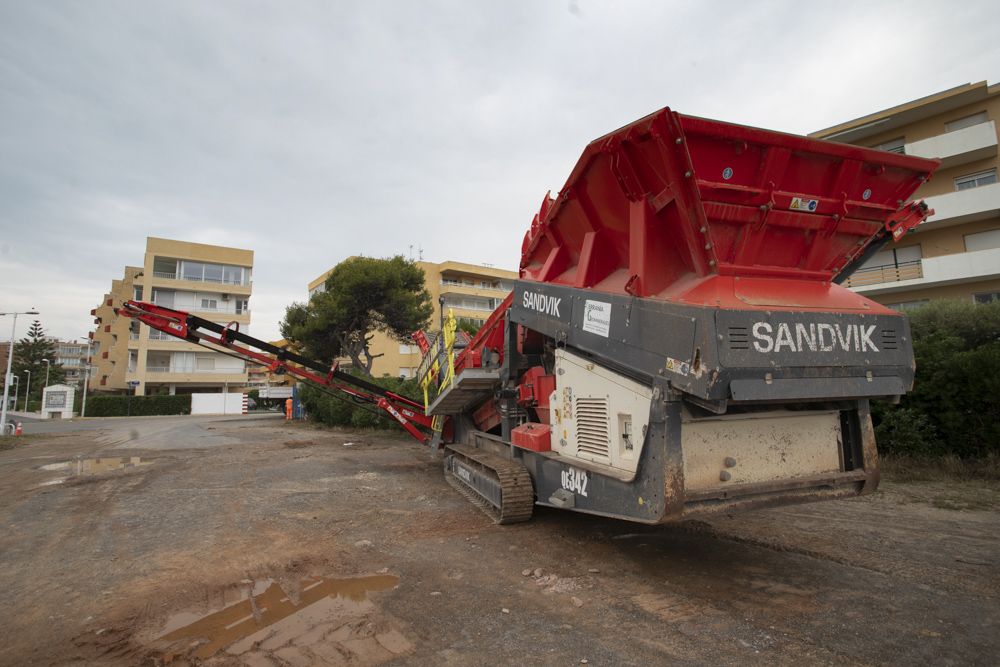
72	356
109	340
213	282
471	291
954	254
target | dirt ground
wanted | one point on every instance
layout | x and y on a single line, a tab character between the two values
248	542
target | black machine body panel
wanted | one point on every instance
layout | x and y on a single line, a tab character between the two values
726	355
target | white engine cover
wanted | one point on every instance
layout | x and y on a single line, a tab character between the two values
597	415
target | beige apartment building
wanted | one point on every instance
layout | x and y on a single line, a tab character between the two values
955	253
72	356
213	282
108	359
471	291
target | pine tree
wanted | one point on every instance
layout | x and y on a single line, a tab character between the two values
29	353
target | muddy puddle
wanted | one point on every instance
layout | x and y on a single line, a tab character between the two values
95	466
313	620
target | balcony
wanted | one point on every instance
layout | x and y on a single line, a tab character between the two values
956	208
976	142
178	374
447	283
962	267
877	275
237	282
187	369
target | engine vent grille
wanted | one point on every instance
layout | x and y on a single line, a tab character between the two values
889	341
592	427
739	338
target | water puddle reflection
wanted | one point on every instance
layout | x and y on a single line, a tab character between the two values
96	466
246	625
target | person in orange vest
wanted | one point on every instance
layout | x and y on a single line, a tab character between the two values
288	409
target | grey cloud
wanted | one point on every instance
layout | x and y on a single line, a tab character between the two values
313	131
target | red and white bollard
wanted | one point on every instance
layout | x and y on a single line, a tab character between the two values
17	428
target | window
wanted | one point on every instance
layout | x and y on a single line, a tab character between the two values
405	372
163	297
470	324
233	275
164	268
907	305
242	306
976	180
471	303
894	257
137	293
966	121
192	270
209	304
897	145
986	297
213	273
204	363
407	349
982	240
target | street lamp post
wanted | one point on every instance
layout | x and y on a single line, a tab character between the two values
86	380
6	378
27	391
48	366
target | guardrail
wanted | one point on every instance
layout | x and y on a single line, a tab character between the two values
437	368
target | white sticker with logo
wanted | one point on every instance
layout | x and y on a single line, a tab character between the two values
597	317
801	204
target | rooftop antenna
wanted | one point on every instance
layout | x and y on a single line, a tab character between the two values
420	252
411	252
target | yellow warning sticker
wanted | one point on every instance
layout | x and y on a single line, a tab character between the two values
801	204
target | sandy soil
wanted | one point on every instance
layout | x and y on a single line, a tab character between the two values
249	542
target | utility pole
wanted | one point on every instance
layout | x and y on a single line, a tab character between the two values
86	381
6	377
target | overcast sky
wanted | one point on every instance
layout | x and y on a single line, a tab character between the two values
309	132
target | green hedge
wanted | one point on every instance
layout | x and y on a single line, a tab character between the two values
954	408
119	406
332	411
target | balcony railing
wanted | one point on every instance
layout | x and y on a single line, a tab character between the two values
159	335
207	309
969	144
455	283
217	281
886	274
963	206
191	369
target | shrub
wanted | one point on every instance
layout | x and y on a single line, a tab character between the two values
341	410
120	406
954	407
